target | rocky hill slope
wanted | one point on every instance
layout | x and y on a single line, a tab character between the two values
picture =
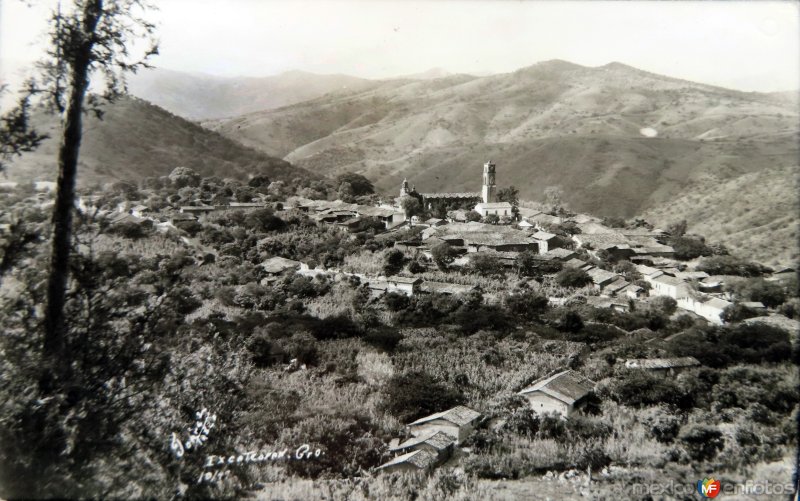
136	139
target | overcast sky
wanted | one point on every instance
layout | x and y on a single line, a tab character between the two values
747	45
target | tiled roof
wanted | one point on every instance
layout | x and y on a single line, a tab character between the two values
439	440
576	263
666	279
567	386
369	211
459	415
600	276
495	205
543	235
560	253
661	363
421	459
445	288
451	195
718	303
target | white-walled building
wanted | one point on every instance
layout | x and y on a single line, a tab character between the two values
560	393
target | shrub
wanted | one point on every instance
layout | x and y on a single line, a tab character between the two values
569	321
689	248
527	304
639	388
396	301
731	265
702	442
384	338
738	312
573	277
443	255
392	262
486	265
413	395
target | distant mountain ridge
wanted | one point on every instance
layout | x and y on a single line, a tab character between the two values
197	96
136	139
551	124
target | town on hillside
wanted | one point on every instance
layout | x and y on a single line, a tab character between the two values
572	317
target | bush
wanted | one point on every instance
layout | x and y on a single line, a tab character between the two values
738	312
392	262
384	338
527	304
702	442
689	248
731	265
443	255
486	265
639	388
413	395
335	327
569	321
573	277
396	301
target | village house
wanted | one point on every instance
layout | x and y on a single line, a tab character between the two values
616	304
458	422
429	287
706	306
666	285
663	366
525	225
419	461
389	217
436	442
404	285
545	241
561	393
500	209
601	278
560	253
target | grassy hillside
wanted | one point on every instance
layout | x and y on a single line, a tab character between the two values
755	213
136	139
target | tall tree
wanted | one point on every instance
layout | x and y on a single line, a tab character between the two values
88	38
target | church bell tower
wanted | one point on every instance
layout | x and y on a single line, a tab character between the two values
489	187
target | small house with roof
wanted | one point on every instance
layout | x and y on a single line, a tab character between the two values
405	285
418	461
561	393
601	278
437	442
545	241
458	422
666	285
499	209
663	366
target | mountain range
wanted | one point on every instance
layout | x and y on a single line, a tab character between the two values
619	141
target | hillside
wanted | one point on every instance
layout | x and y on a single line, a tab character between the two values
197	96
136	139
618	140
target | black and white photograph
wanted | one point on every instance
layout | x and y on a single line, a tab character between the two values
352	250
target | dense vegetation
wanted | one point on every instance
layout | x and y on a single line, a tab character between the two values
164	324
